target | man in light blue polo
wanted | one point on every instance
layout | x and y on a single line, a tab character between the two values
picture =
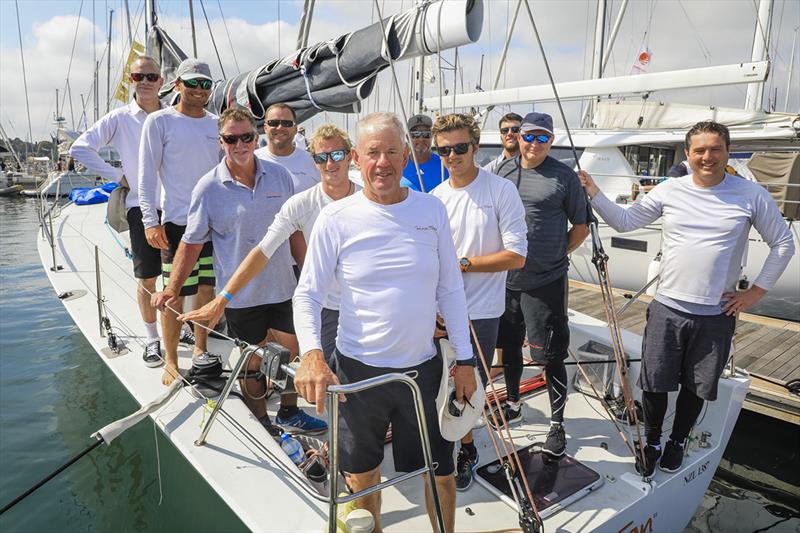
233	206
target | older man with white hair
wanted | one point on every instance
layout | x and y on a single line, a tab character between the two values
391	253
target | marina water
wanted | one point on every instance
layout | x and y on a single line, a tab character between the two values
55	391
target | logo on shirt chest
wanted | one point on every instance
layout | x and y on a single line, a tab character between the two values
426	228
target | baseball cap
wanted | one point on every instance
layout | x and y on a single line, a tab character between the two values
193	69
420	120
537	121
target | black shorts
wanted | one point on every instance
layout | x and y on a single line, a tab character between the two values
203	270
146	259
541	314
250	324
328	330
681	348
366	415
486	331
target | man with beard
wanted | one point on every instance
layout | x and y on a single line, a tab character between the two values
509	136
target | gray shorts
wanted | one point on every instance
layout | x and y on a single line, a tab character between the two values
486	331
330	325
684	349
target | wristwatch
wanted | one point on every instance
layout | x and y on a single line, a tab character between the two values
472	361
465	263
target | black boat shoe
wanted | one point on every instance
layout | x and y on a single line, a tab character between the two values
651	455
672	458
555	445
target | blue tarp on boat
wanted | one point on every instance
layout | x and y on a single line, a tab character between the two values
92	195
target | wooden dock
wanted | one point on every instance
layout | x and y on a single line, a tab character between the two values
767	348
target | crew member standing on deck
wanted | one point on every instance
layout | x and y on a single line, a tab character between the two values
122	129
536	295
690	324
430	165
487	221
232	206
390	251
509	136
179	145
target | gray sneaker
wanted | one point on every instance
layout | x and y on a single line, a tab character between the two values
152	355
465	469
555	445
187	335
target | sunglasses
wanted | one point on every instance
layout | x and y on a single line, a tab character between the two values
194	84
512	129
275	123
459	149
233	139
541	138
420	134
454	409
139	76
322	157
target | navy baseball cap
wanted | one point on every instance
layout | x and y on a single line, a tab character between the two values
537	121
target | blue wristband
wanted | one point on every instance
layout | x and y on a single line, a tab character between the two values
227	295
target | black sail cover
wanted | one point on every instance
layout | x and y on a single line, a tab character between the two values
334	75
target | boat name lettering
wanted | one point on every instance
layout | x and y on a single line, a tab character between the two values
694	474
644	527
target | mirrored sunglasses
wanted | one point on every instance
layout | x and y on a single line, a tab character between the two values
541	138
454	408
194	84
512	129
420	134
233	139
273	123
459	149
322	157
139	76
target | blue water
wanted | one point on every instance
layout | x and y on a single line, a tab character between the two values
55	391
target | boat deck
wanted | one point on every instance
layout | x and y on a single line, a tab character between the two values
767	348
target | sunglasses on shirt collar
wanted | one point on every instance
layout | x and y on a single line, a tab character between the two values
321	158
139	76
274	123
233	139
512	129
459	149
194	84
541	138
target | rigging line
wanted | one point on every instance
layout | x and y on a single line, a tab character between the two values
703	48
213	41
230	42
71	56
24	75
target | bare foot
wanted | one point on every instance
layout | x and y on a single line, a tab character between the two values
170	374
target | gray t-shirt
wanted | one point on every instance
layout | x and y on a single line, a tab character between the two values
552	195
235	218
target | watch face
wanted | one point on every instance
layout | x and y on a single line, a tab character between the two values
464	261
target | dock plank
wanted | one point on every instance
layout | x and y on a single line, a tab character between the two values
772	349
780	354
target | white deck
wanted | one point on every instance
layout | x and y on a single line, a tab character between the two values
239	459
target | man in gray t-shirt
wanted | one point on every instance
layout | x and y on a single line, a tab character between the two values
536	295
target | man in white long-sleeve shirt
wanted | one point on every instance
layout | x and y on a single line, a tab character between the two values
390	251
179	146
487	220
122	128
707	217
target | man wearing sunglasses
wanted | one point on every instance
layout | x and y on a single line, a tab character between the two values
122	129
178	146
280	125
536	295
487	221
509	136
430	165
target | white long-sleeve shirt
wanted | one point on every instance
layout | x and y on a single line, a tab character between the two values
122	129
486	217
175	152
393	263
705	234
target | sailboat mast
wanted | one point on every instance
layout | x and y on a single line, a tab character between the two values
95	65
24	77
108	62
128	23
755	91
194	32
597	55
791	71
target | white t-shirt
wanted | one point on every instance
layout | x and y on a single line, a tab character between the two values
304	173
299	213
175	152
486	216
705	234
393	263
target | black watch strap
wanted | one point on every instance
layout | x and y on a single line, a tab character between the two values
472	361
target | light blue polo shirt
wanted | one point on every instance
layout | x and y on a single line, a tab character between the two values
235	218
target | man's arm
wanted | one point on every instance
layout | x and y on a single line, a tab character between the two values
513	231
298	247
575	236
645	211
86	149
151	150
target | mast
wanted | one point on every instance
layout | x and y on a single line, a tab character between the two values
194	32
597	55
108	62
24	78
791	71
305	24
755	91
128	22
96	65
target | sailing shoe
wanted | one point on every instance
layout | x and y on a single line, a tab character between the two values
301	422
152	355
465	469
651	455
555	444
512	416
187	335
672	458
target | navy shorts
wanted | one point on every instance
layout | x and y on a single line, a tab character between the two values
365	417
146	259
250	324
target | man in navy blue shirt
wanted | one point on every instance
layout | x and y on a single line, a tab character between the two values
430	166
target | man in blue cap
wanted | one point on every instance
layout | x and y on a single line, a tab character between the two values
431	171
536	295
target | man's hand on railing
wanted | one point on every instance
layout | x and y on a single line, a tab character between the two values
313	378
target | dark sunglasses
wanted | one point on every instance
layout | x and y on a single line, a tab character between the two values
139	76
275	123
453	408
459	149
541	138
514	129
233	139
322	157
193	84
420	134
